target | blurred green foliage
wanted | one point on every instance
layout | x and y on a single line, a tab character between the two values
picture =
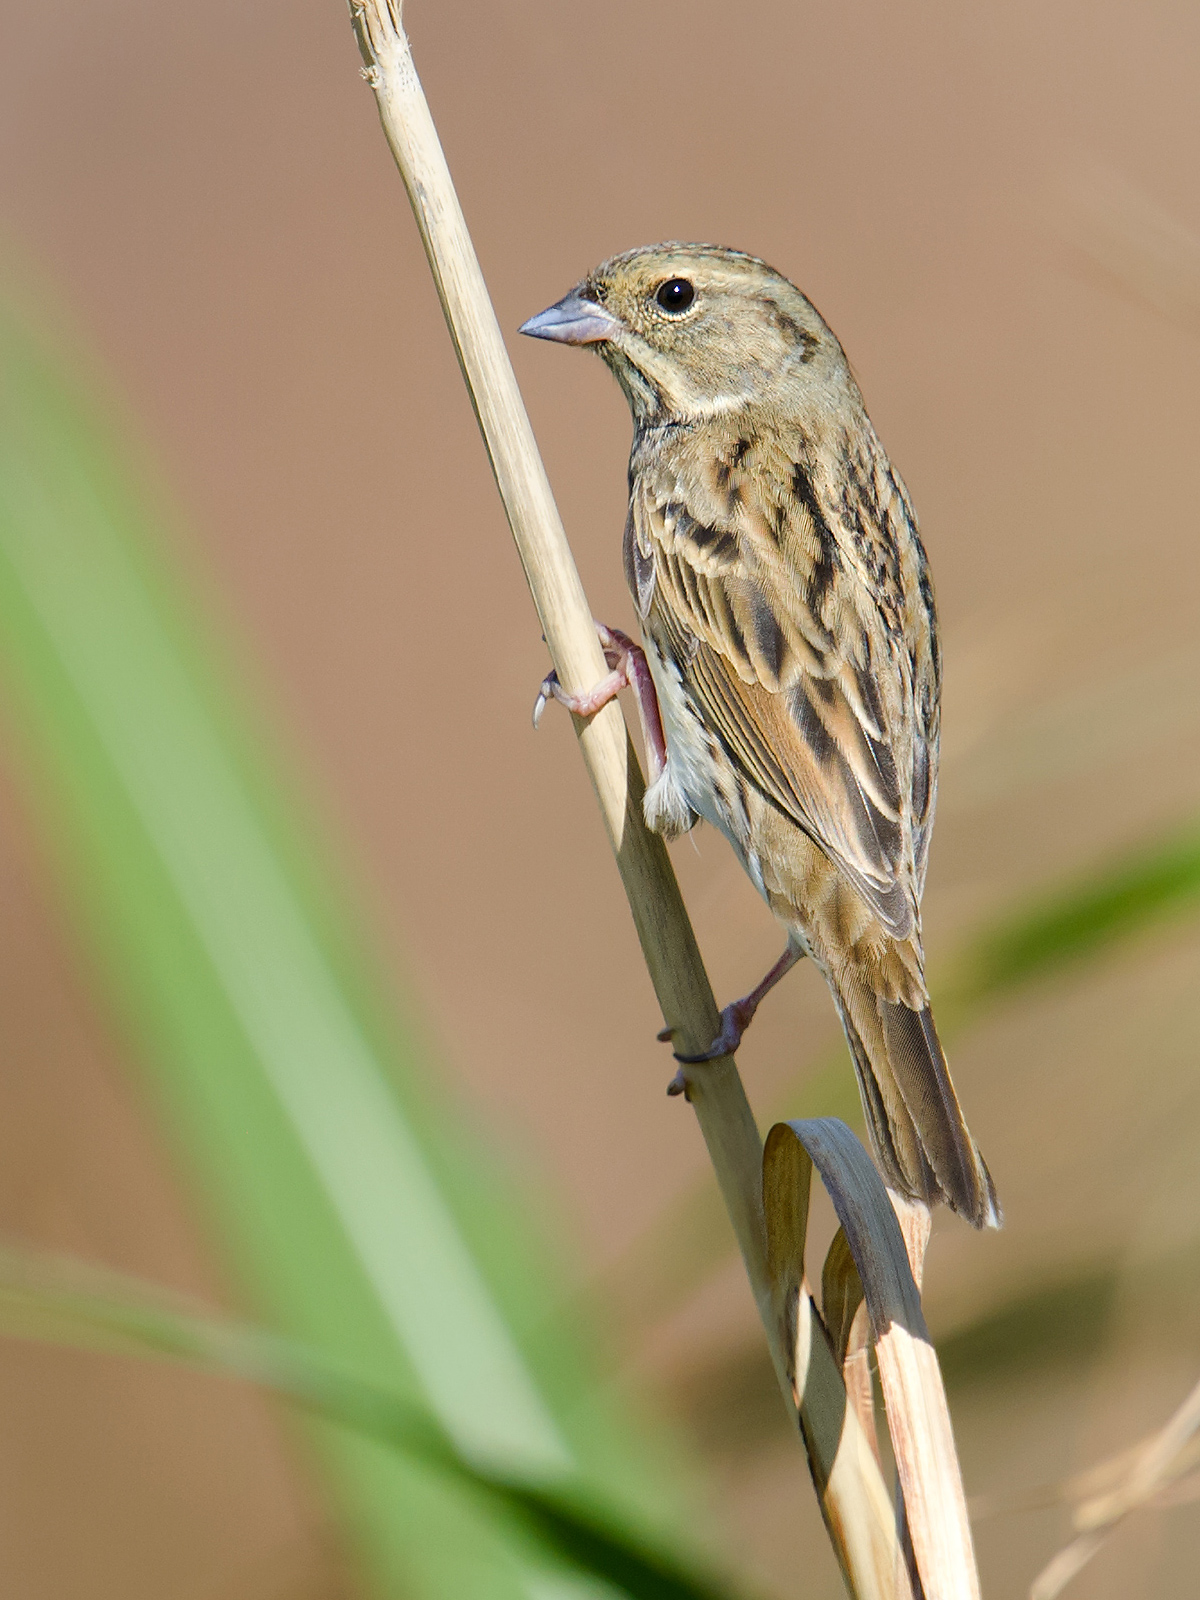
359	1216
59	1300
1115	901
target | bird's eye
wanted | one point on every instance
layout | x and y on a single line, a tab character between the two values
675	295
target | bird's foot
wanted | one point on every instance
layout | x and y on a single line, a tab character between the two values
581	705
735	1019
629	670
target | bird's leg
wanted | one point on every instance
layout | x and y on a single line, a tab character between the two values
631	670
736	1018
631	658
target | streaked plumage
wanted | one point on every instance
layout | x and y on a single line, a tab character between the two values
789	623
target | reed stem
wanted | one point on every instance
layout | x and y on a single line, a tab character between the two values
857	1513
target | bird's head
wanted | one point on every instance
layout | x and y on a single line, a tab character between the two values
692	331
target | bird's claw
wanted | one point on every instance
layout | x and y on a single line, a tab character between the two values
545	693
735	1019
679	1083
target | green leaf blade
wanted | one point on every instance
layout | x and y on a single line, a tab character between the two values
340	1193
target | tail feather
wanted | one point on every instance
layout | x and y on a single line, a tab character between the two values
916	1123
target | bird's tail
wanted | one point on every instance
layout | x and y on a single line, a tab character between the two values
920	1136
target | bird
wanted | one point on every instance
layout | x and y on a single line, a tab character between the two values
789	675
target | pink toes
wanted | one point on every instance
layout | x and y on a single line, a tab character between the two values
631	670
582	705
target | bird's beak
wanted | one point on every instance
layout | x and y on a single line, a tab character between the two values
573	320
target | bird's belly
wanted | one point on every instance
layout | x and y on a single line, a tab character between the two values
695	771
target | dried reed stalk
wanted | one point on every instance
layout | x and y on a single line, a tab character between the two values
855	1500
1107	1494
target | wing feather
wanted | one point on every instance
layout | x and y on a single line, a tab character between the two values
764	605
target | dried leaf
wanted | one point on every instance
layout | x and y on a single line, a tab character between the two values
845	1314
918	1418
841	1293
842	1456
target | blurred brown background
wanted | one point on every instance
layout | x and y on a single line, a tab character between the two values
997	210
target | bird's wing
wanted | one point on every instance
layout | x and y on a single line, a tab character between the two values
789	661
